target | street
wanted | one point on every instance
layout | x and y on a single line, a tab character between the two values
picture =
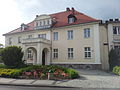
4	87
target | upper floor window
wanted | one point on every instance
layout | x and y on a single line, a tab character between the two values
70	53
87	32
87	51
42	36
10	41
29	36
70	34
71	18
55	35
19	39
116	30
55	53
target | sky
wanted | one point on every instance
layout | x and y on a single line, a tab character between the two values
15	12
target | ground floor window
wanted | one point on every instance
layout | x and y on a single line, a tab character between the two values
70	53
29	54
116	47
55	53
87	51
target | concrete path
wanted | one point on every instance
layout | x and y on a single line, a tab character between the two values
88	79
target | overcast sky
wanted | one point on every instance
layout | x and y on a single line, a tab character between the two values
15	12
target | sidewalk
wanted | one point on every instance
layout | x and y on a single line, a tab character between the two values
88	79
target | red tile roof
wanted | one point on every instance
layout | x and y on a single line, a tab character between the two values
61	19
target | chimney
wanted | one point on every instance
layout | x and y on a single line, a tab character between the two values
67	9
36	15
110	19
73	10
116	19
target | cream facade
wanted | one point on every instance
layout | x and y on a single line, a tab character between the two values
82	45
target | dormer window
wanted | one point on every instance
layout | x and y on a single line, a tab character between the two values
23	27
71	18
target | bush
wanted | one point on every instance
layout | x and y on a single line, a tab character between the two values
73	73
12	56
116	70
13	73
3	66
114	58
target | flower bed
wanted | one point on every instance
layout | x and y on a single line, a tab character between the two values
40	72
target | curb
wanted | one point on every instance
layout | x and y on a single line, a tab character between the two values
32	85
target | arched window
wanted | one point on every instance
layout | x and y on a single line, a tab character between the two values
71	18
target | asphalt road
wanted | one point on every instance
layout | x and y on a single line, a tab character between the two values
4	87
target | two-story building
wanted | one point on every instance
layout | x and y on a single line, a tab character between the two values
68	38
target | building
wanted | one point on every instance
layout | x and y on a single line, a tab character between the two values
68	38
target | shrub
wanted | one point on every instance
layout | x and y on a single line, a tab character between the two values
114	58
3	66
12	56
116	70
13	73
73	73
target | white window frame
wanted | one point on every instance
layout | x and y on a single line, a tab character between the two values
87	32
30	36
87	52
30	54
55	36
70	53
70	34
42	36
116	30
55	53
10	41
71	20
19	39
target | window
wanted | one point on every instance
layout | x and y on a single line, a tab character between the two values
10	41
70	34
55	36
30	56
70	53
116	47
71	18
87	32
19	39
116	30
87	52
42	36
48	22
55	53
29	36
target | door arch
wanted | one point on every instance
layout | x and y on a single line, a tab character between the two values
44	56
31	55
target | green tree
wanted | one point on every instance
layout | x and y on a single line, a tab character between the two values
12	56
0	55
114	58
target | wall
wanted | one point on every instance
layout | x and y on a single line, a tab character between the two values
78	43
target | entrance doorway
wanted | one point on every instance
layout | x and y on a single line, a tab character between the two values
43	57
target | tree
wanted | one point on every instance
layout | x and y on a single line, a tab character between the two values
12	56
114	58
1	45
1	61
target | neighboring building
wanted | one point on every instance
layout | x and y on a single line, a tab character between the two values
68	38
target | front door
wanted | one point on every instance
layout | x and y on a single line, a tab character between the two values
43	57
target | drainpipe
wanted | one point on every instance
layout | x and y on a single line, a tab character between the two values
51	46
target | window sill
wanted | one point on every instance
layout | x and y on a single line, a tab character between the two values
70	58
88	58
